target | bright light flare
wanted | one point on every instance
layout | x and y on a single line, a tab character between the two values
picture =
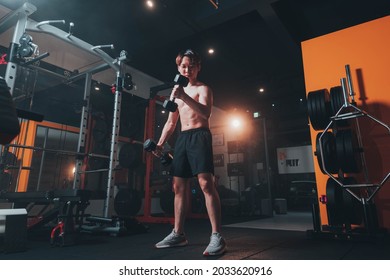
150	4
236	123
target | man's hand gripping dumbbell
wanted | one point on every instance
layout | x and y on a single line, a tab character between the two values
151	146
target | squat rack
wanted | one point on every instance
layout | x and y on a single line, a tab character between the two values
19	18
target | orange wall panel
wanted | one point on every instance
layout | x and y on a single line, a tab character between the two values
366	48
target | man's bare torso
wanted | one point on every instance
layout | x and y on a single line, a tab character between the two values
189	118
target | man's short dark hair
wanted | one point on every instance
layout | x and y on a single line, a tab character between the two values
191	54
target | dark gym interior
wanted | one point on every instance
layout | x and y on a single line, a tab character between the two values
304	181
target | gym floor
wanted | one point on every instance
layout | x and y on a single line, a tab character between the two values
281	237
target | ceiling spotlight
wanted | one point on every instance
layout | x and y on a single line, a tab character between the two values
236	123
96	86
150	3
211	51
261	89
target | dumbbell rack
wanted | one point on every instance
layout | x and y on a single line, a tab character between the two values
349	110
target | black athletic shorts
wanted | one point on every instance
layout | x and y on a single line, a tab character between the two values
193	153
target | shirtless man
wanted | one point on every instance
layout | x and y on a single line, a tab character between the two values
193	154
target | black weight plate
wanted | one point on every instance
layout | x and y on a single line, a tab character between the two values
336	99
352	162
318	108
129	157
353	210
318	152
131	126
329	153
336	102
340	152
334	204
100	131
357	152
316	111
127	202
323	106
311	109
330	156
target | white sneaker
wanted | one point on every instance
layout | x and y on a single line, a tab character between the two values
172	240
217	245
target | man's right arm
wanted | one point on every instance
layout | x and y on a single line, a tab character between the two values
168	128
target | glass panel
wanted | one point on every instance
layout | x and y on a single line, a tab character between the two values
53	168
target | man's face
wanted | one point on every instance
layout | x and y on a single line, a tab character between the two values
187	69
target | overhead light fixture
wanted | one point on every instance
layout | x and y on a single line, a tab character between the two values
211	51
150	3
96	86
261	89
236	123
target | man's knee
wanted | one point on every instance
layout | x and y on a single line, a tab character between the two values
206	183
179	186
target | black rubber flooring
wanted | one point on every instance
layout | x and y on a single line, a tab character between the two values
243	244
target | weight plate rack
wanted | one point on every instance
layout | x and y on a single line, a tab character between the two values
339	152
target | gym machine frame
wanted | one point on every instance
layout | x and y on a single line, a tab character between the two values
150	116
354	113
23	24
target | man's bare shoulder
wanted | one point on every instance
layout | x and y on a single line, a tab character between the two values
203	87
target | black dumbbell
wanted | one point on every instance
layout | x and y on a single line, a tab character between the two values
165	158
170	105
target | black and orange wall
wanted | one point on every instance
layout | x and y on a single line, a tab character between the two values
365	48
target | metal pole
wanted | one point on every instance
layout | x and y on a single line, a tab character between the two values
42	158
114	141
83	131
267	161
